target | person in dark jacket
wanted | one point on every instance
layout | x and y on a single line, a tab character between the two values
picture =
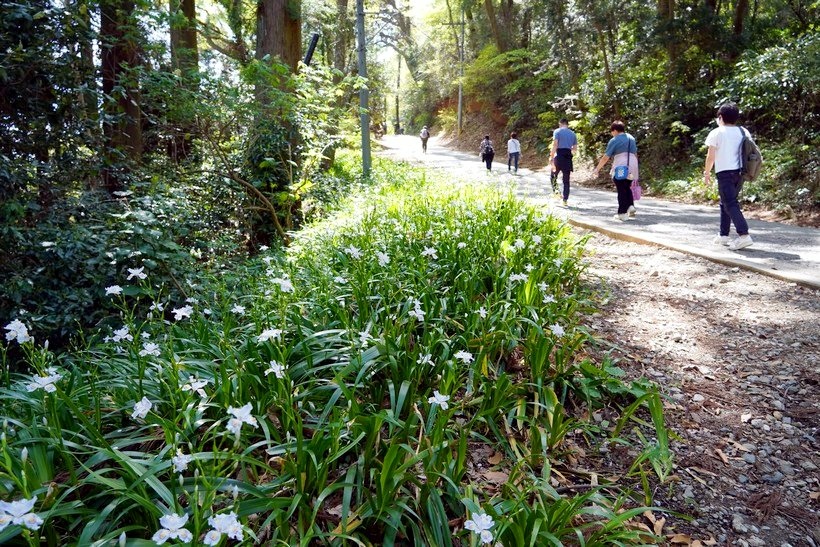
487	152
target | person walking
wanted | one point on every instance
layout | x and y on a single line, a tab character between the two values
486	152
564	145
424	135
723	154
624	153
513	151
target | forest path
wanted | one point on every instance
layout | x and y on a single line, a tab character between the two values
737	353
784	251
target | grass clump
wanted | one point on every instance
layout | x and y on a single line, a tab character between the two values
406	373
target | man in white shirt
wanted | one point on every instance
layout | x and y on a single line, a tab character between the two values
724	154
513	151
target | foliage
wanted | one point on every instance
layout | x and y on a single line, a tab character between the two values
339	391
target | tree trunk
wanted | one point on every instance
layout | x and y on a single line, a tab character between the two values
565	47
122	127
741	11
279	31
496	32
666	19
610	84
185	58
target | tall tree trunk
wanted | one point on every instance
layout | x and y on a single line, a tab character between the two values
610	84
666	17
279	31
496	32
565	46
342	39
123	125
741	11
526	28
185	58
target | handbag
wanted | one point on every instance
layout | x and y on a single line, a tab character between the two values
636	190
622	172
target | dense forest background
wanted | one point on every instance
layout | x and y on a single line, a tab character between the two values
193	131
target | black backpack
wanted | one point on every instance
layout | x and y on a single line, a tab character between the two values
750	158
488	149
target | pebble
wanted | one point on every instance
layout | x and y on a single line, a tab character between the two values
808	465
773	478
698	398
742	479
778	405
738	525
786	468
749	458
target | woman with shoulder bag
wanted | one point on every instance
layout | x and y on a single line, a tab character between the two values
624	153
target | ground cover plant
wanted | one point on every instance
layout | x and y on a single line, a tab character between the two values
344	391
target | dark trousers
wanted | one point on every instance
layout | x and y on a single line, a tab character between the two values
625	200
729	185
423	144
513	159
488	159
563	163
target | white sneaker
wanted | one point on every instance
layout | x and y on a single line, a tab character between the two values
620	217
741	243
722	240
632	211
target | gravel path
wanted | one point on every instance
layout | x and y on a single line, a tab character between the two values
738	354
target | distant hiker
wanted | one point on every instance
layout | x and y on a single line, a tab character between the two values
425	134
564	144
513	151
486	152
724	153
624	153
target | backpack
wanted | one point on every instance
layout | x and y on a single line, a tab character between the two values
424	134
488	149
750	158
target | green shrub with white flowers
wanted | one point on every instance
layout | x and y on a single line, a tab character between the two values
336	393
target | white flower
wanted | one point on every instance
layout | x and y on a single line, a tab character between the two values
340	280
417	312
549	299
136	272
557	329
264	248
141	408
17	330
212	538
384	260
181	461
439	399
425	359
44	382
536	239
461	245
113	289
19	512
353	252
206	311
482	312
149	348
145	335
431	252
481	524
277	370
519	277
529	267
182	313
285	284
240	416
157	306
519	243
122	334
195	385
558	262
172	528
465	356
47	244
237	309
269	334
227	524
364	337
543	287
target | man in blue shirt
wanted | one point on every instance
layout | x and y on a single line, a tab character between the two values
564	144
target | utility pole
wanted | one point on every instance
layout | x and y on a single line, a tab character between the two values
364	114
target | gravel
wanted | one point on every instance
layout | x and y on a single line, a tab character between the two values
738	355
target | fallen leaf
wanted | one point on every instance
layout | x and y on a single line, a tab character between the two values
496	458
680	539
497	477
814	495
649	516
658	527
724	458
